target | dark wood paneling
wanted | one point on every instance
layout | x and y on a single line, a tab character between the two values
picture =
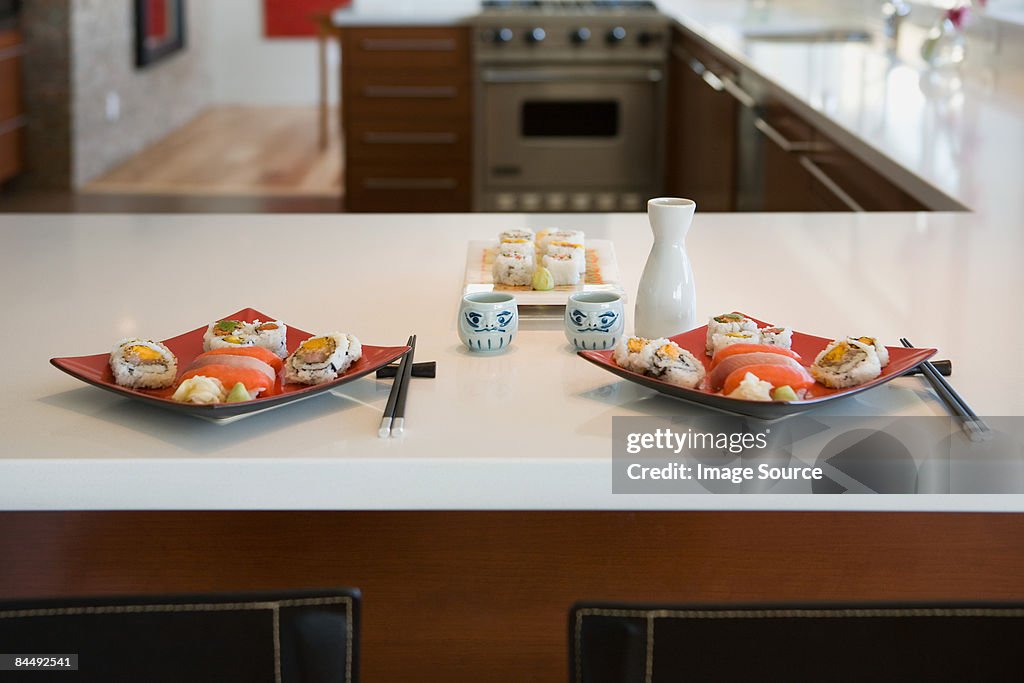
483	596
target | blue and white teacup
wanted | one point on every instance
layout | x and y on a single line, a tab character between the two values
488	321
594	320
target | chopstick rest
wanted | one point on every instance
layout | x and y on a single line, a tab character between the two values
427	368
944	368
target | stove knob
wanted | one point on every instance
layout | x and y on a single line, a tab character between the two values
647	38
580	35
536	35
501	35
616	35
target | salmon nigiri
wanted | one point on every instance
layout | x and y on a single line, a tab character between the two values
253	380
776	375
257	352
739	349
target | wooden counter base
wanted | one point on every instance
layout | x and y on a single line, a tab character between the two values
473	596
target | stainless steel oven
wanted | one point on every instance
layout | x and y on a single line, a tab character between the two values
569	107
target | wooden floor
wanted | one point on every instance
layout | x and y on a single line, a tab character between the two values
234	151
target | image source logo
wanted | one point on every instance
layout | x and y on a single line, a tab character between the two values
819	455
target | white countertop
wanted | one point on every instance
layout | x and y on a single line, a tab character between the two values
406	13
73	284
926	129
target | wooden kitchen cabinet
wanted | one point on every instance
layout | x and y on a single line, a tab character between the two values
407	112
804	170
12	119
730	150
701	136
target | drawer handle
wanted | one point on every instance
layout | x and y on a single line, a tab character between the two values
782	141
424	92
408	44
717	83
831	185
410	183
410	138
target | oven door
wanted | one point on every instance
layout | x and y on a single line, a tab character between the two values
571	127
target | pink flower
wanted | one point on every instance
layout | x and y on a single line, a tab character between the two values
957	16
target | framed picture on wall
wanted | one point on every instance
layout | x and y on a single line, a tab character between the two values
159	30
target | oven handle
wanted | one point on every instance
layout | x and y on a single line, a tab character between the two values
631	75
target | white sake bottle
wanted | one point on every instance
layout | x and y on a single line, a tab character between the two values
666	301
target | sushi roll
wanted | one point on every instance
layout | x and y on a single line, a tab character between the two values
667	361
523	247
725	324
720	341
523	234
546	237
321	359
143	364
226	334
271	335
628	351
777	336
575	251
846	363
512	268
563	269
883	353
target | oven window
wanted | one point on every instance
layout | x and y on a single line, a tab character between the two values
570	118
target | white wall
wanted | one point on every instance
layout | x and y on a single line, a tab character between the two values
248	68
150	102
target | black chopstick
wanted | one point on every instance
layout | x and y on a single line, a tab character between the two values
398	424
389	409
973	425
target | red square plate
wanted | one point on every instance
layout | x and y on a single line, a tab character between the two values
95	370
901	361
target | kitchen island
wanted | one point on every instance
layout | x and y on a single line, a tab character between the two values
95	279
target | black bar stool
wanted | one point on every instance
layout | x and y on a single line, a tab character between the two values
617	643
280	637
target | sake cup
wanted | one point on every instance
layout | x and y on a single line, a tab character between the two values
594	320
488	321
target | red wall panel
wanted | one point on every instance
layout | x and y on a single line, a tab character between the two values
293	18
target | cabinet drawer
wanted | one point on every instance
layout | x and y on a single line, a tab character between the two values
406	48
408	189
11	150
10	81
398	95
408	144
